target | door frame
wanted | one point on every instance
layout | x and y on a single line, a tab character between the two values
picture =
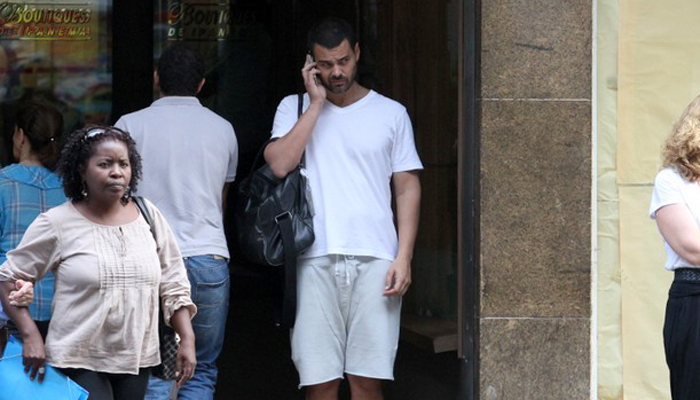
132	56
468	202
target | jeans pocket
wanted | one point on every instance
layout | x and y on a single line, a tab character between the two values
211	294
211	299
209	278
210	282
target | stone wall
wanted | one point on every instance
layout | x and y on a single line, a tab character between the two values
535	199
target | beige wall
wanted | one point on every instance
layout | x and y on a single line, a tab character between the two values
648	64
535	199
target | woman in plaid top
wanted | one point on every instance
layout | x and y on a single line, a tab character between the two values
30	188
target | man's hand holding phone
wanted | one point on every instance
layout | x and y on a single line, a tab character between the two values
317	92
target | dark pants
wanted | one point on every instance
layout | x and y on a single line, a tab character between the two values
3	340
682	339
103	386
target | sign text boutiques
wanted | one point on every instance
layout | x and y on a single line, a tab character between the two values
44	21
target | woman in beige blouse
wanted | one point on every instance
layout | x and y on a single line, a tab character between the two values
110	274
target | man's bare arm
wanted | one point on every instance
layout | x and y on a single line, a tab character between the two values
407	191
284	154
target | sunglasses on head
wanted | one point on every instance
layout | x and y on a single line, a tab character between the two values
97	131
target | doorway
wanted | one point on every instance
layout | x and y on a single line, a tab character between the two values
410	52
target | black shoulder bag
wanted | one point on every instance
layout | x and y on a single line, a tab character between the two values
274	222
169	342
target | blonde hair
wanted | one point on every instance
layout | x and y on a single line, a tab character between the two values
682	147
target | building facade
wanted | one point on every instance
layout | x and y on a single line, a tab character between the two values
539	123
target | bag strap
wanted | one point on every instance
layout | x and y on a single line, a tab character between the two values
259	158
300	104
289	301
300	110
284	221
146	214
141	204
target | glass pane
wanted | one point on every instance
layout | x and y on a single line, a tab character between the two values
435	122
234	39
410	53
58	52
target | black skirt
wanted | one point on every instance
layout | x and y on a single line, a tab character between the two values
682	339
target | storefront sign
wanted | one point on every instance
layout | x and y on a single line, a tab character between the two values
45	21
199	21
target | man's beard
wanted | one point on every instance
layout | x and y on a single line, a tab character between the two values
340	89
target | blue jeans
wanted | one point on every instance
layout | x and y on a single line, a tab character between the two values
209	278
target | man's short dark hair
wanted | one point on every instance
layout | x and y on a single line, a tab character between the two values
180	70
330	33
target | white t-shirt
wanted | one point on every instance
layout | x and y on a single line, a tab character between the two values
188	153
350	159
671	188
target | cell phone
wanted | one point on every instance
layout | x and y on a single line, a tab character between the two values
316	78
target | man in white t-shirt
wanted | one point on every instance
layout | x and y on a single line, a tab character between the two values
190	156
357	144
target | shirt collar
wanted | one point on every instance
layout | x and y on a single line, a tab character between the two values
177	101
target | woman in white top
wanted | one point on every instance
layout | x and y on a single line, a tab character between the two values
675	205
110	274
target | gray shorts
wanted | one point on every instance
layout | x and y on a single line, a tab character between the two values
344	323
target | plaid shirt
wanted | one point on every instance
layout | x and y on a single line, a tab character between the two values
26	192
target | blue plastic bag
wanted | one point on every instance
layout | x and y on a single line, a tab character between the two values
15	383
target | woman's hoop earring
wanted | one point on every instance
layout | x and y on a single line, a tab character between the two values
83	191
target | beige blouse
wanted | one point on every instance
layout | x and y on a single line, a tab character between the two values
108	281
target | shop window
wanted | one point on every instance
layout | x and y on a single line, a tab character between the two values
57	52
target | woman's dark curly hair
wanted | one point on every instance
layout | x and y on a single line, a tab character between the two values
80	146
